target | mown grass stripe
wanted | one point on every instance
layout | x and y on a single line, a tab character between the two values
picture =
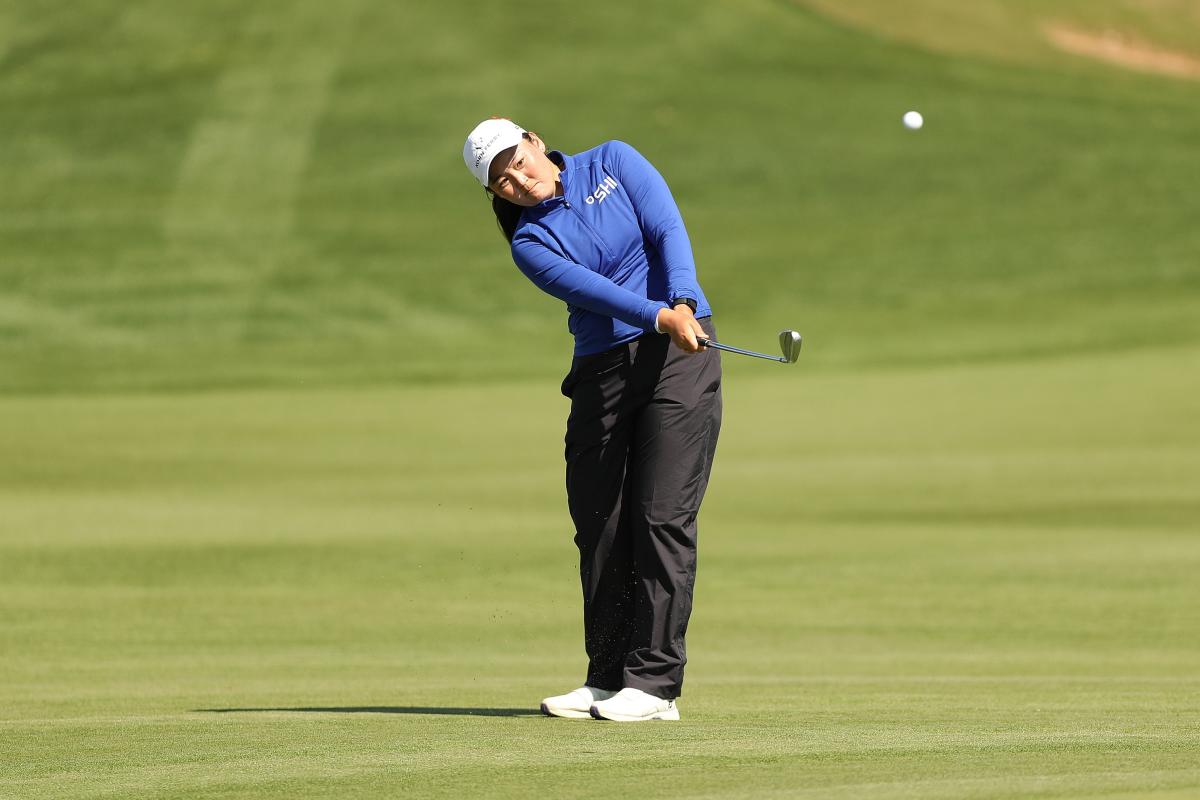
231	212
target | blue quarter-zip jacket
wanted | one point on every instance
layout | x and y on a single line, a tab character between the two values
613	247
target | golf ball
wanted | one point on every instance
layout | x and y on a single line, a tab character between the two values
913	120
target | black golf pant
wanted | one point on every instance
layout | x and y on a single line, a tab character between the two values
640	442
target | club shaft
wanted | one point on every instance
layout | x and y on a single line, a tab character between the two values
719	346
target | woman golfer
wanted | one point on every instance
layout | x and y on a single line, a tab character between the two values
600	231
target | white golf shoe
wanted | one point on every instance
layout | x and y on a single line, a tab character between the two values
634	705
576	704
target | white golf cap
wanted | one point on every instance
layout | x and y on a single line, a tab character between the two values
490	137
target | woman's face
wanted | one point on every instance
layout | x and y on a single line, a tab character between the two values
523	174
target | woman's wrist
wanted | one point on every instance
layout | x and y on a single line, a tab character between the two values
659	319
683	301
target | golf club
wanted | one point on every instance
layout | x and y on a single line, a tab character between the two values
789	343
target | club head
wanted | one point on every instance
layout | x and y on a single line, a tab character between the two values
789	343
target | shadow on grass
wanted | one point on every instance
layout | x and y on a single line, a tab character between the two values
463	712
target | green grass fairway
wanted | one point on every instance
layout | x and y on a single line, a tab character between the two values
948	582
281	495
216	194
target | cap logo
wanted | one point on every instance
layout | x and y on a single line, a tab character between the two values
483	148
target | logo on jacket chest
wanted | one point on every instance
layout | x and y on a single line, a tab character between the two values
603	190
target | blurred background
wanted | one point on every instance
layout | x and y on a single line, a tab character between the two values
281	505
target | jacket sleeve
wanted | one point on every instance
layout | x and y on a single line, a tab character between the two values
659	218
577	285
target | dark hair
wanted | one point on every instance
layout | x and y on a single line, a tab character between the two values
507	214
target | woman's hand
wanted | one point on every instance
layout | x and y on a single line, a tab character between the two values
681	325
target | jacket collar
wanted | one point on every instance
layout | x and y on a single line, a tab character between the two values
564	177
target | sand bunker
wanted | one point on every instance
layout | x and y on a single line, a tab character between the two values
1116	48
